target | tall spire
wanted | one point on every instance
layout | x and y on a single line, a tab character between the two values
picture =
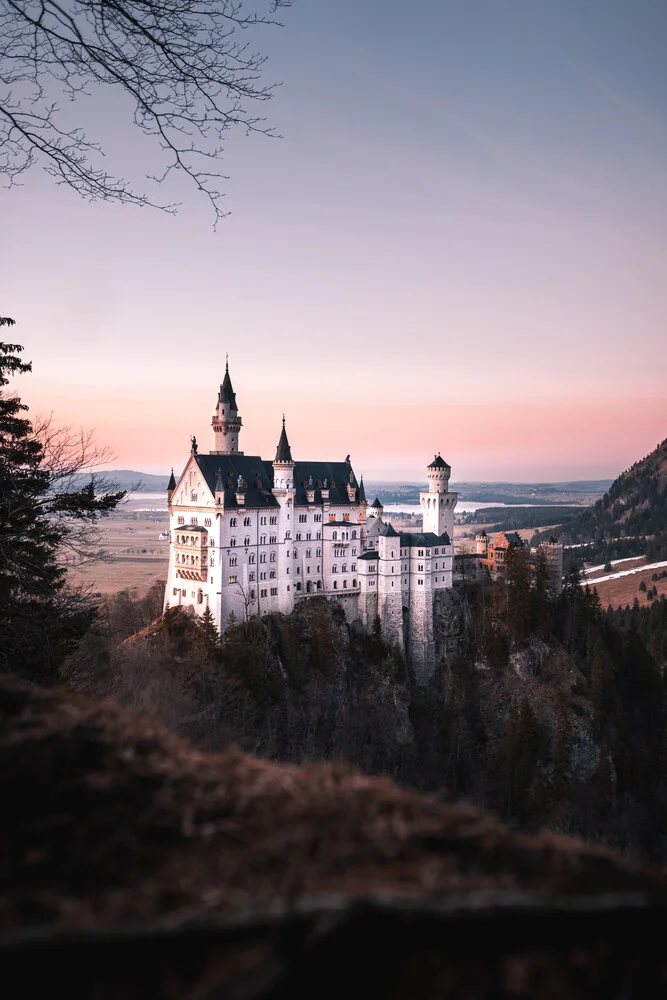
227	394
283	451
362	491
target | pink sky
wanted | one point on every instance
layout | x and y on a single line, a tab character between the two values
470	259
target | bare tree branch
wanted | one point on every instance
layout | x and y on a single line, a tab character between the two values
183	64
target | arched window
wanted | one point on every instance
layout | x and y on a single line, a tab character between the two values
200	597
335	535
272	557
334	568
232	542
232	523
335	585
246	540
246	522
354	534
307	553
262	557
318	552
251	558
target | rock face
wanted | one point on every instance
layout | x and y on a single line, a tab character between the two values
134	866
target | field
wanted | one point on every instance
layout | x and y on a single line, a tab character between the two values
136	556
624	590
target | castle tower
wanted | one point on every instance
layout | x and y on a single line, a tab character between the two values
284	492
482	544
390	599
226	421
553	553
438	503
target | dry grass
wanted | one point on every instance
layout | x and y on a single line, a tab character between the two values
624	590
138	557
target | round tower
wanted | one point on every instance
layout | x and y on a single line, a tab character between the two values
226	421
283	465
438	475
482	543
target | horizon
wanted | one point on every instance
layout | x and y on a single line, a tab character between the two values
471	260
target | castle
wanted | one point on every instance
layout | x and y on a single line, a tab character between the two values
250	536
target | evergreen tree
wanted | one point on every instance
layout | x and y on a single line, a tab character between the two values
209	632
41	618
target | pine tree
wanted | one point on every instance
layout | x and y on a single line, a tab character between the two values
209	632
41	617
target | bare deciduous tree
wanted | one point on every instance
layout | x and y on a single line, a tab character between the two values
184	65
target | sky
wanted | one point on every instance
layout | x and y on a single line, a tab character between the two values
459	245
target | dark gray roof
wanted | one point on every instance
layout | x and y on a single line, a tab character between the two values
361	495
227	394
387	530
424	540
314	475
171	485
369	555
283	452
256	474
514	539
376	503
481	534
439	463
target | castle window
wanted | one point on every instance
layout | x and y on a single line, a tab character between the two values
288	534
274	591
262	576
420	552
319	584
175	592
297	537
343	568
232	542
262	520
200	597
436	551
420	568
262	593
335	587
317	517
246	522
298	571
318	552
207	522
308	536
318	534
297	586
303	518
353	567
354	583
252	595
233	578
251	558
246	540
344	584
295	553
193	495
307	553
251	577
232	523
233	561
428	552
193	520
354	534
262	557
272	557
272	539
335	535
334	568
273	519
262	539
272	574
212	562
307	569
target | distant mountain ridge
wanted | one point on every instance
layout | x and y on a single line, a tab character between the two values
127	479
634	505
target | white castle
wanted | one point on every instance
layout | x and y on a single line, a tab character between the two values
252	537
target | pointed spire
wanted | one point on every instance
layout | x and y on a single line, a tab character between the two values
283	452
219	485
171	485
227	394
362	491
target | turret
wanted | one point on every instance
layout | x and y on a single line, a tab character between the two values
283	465
438	503
376	509
219	489
482	543
226	421
171	486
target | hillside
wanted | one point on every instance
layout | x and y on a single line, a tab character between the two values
134	865
635	504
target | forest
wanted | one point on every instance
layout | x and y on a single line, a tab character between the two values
552	713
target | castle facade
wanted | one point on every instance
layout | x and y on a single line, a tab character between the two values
251	537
